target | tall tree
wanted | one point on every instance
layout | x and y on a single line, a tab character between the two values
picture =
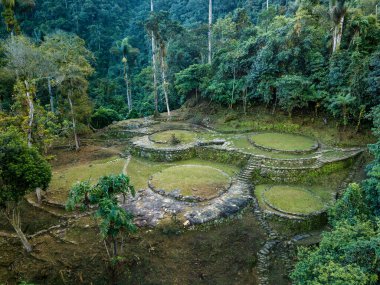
129	53
337	13
210	31
72	59
163	29
29	65
22	169
154	65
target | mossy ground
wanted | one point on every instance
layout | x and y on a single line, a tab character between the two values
192	180
283	142
217	254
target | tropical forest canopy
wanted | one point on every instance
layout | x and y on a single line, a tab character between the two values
292	55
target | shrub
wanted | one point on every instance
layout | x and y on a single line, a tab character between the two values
104	117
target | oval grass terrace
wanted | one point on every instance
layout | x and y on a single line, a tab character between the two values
293	200
284	142
190	182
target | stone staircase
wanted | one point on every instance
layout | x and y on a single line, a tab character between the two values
246	174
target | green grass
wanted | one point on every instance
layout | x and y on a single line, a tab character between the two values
241	142
140	170
293	199
323	188
285	142
64	178
183	136
192	180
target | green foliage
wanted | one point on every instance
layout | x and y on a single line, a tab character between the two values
104	117
350	207
22	168
347	255
189	81
293	91
114	220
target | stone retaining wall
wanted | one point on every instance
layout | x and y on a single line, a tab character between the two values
275	162
299	175
222	155
163	155
309	223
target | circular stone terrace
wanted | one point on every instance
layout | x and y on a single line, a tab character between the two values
293	200
193	183
202	193
174	137
283	142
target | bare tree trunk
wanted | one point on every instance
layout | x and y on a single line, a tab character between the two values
164	81
129	101
73	122
51	95
337	34
245	101
209	32
114	247
15	221
267	5
361	116
154	63
39	195
31	113
233	88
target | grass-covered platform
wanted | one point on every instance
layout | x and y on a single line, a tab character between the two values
201	181
172	137
64	177
284	142
292	199
140	170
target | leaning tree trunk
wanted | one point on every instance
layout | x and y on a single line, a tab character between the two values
210	31
337	34
164	80
31	113
74	124
154	63
15	221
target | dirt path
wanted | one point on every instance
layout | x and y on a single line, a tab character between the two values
126	164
